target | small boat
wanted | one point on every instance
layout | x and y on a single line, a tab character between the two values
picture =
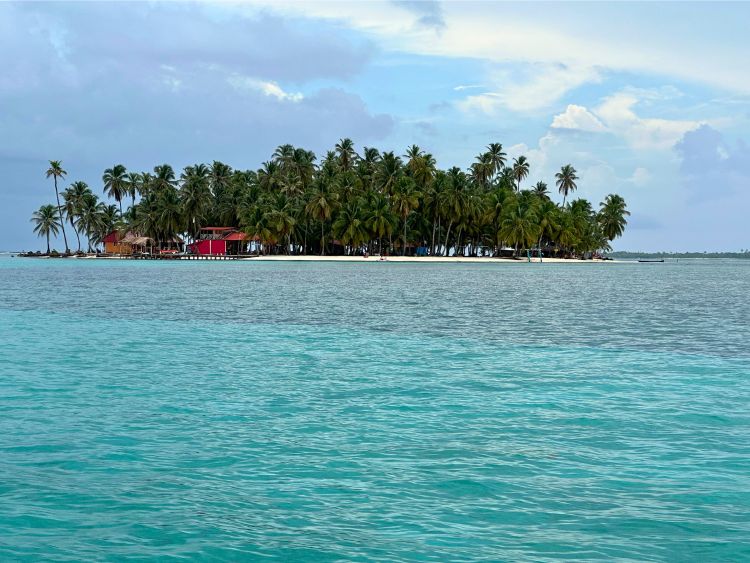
654	261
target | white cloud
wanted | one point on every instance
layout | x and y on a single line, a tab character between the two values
505	33
488	103
535	87
462	87
539	155
641	176
173	83
577	117
598	180
266	87
617	112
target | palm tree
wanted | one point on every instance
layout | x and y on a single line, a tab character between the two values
89	218
116	183
220	175
548	218
612	216
496	157
495	205
453	201
169	215
73	198
367	164
346	154
540	189
566	181
388	171
133	183
519	226
55	170
423	171
350	227
45	222
506	179
107	220
405	200
380	219
320	207
567	235
164	178
583	220
195	197
281	220
483	170
284	155
520	170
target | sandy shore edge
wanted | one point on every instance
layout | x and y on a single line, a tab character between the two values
360	259
425	259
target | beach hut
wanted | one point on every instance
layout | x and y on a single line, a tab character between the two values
236	242
115	243
138	243
214	241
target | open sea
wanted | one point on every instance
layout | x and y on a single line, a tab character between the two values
243	411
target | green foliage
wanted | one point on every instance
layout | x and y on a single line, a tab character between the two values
350	202
46	222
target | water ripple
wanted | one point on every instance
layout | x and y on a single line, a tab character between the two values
341	413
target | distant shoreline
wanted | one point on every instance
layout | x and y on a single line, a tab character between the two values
634	255
421	259
350	259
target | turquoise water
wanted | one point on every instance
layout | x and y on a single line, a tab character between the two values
358	412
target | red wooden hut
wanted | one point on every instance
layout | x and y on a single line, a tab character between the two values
218	241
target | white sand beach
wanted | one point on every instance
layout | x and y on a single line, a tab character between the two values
424	259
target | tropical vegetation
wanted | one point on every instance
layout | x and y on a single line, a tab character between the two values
347	202
46	222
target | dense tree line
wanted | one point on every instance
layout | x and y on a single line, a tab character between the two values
346	202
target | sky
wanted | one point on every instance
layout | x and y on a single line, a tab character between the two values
649	100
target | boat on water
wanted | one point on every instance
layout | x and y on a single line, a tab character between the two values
662	260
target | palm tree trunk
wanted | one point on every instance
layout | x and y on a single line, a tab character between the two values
539	247
447	235
59	210
322	239
403	249
48	242
120	202
432	246
78	238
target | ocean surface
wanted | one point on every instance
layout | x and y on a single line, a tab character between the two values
241	411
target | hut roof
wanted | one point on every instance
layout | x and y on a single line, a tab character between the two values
114	236
129	237
237	236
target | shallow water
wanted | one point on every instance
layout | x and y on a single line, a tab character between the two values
329	412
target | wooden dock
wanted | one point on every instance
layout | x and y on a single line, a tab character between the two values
189	256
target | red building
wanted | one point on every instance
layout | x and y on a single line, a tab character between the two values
218	241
